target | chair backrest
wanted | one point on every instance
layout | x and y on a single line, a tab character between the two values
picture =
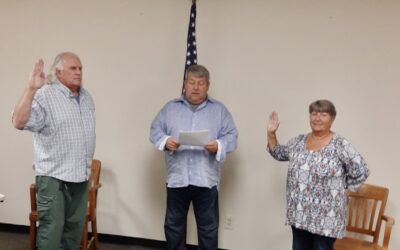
94	185
365	210
94	178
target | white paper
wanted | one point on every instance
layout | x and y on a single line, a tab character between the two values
193	138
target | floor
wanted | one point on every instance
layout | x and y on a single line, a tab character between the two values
20	241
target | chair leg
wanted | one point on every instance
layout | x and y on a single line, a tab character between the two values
84	240
32	236
94	233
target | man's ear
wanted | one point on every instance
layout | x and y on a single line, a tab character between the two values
57	72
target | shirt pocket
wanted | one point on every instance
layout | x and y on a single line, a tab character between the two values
44	205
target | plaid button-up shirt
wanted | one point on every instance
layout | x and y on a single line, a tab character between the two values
63	129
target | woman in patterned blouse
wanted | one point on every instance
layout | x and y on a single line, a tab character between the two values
322	166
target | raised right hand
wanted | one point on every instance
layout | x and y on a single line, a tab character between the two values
37	78
273	123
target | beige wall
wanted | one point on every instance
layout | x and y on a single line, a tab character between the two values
263	55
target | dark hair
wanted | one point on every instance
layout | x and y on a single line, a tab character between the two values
323	106
198	71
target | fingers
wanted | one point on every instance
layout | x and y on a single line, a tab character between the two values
39	66
172	144
211	147
273	116
273	122
212	143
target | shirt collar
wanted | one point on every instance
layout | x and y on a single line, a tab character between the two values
66	91
183	99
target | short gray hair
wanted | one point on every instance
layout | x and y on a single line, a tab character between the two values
58	64
198	71
323	106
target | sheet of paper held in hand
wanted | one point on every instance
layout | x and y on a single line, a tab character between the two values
194	138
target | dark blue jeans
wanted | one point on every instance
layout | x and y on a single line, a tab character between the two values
205	206
304	240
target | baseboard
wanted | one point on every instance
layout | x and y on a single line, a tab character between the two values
14	228
109	238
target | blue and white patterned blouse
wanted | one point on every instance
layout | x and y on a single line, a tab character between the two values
317	183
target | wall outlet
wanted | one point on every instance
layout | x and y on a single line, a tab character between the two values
229	222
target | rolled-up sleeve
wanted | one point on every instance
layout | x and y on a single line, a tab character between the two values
37	119
227	138
158	136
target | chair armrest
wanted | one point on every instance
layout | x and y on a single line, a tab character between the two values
389	222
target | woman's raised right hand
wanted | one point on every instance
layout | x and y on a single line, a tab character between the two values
273	123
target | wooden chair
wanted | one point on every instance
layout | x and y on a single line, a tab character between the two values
86	241
91	218
33	217
365	215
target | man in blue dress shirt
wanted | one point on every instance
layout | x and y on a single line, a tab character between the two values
193	172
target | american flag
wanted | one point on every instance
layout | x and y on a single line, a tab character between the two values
191	50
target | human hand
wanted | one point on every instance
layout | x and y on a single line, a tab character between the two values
273	123
211	147
172	144
37	78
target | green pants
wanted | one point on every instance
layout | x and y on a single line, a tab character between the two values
61	210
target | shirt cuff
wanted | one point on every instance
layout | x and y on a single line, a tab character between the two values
219	151
162	144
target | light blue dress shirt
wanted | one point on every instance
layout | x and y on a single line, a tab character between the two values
191	165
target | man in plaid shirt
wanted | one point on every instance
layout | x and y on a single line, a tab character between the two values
61	116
